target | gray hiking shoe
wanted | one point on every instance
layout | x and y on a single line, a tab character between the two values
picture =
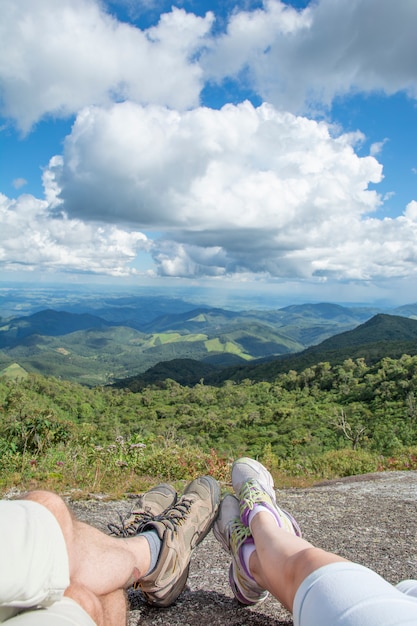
149	505
181	528
254	485
245	469
232	535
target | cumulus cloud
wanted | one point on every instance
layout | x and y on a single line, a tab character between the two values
31	239
57	57
238	191
303	59
209	171
233	191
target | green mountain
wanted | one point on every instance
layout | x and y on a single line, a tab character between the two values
50	323
381	336
96	350
183	371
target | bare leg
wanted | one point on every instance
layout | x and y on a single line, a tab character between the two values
99	564
282	560
108	610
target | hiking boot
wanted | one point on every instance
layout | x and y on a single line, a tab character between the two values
232	535
149	505
254	486
181	528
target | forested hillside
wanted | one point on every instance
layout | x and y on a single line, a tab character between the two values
381	336
324	421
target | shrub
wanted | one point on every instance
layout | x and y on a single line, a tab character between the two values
405	459
179	463
333	464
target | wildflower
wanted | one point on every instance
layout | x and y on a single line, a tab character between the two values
60	463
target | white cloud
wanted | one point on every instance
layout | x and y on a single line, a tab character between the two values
31	239
298	60
206	170
57	57
19	182
234	191
241	191
376	148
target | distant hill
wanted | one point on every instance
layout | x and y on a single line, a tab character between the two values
49	323
329	311
132	335
383	335
183	371
380	328
14	372
407	310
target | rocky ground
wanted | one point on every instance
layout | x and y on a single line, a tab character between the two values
370	519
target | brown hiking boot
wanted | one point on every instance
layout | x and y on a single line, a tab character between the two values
149	505
181	528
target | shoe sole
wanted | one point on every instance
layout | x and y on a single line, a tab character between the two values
239	595
215	496
216	532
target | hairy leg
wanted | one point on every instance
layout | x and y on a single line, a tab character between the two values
98	562
282	560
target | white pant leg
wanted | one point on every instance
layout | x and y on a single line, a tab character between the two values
409	587
65	612
347	594
34	567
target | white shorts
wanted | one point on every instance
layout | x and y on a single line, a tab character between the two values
348	594
34	570
65	612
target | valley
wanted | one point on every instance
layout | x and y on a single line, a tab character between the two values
103	339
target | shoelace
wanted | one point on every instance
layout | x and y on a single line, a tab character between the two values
129	526
239	533
251	494
176	514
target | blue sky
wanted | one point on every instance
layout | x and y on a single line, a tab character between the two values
268	147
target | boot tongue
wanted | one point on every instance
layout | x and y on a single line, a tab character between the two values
159	527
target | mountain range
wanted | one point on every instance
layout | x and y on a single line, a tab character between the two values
147	339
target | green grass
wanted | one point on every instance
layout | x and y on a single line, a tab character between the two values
121	468
217	346
14	372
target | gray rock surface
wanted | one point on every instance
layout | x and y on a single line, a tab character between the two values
370	519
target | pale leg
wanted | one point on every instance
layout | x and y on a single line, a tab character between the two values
282	560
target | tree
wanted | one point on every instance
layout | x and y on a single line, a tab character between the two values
353	431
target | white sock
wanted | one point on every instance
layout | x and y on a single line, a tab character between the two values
257	509
246	551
